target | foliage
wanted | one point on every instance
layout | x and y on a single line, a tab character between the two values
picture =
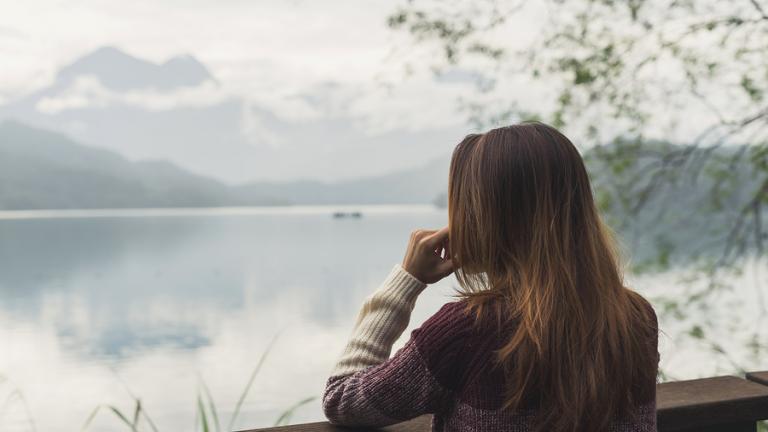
12	399
659	90
206	414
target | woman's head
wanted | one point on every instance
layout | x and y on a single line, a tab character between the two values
527	242
518	193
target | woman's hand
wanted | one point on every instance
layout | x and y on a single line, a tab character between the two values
424	259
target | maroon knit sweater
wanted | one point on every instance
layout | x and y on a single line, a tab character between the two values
446	369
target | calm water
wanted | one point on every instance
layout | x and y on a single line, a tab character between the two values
89	301
96	304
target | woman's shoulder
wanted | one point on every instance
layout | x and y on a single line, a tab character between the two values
646	321
441	338
450	321
643	307
444	332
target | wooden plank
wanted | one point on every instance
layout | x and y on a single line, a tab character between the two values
758	377
724	427
419	424
710	401
725	403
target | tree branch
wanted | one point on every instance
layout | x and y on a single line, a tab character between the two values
759	9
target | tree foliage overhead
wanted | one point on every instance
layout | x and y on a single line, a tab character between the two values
661	90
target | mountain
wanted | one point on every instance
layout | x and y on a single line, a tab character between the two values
417	185
117	70
45	170
40	169
177	110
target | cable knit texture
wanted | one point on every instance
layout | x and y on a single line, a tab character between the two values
445	369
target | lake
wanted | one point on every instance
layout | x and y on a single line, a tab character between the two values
98	305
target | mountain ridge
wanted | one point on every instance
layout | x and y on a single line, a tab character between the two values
40	169
118	70
45	170
177	109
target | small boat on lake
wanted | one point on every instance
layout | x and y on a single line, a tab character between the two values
341	214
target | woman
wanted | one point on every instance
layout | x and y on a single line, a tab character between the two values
544	335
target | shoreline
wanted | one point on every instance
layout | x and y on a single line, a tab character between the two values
213	211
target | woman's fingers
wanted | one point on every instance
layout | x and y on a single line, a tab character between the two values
445	268
437	238
424	257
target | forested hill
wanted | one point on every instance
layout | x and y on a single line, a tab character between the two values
45	170
40	169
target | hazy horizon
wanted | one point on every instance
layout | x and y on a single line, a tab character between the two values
218	101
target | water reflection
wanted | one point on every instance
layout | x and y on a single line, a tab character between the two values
154	300
90	305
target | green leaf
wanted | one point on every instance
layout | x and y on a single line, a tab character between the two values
696	332
749	87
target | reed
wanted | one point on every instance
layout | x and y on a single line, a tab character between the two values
207	417
13	398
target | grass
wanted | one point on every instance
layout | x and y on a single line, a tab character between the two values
15	396
206	415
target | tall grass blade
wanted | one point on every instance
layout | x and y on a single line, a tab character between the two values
133	396
122	417
203	417
136	413
247	388
211	405
149	420
16	394
197	419
133	425
285	417
90	418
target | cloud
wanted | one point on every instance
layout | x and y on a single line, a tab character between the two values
10	32
87	91
272	53
305	89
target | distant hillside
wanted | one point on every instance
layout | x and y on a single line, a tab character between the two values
177	110
119	71
411	186
689	213
684	216
45	170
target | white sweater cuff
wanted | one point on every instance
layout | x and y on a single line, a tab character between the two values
383	317
402	283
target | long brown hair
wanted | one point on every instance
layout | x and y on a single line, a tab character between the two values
525	231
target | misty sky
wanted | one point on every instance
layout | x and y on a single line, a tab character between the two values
253	45
320	87
301	61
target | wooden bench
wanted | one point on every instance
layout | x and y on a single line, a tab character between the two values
719	404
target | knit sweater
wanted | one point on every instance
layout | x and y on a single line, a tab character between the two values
445	369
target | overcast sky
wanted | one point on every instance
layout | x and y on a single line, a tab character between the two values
311	61
302	38
265	49
301	60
